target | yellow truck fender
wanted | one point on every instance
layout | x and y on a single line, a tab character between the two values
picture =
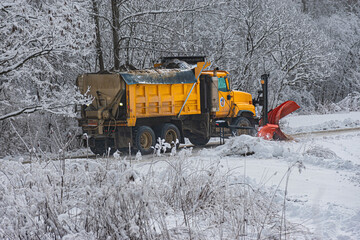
245	113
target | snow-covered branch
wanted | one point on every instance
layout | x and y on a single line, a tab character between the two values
23	61
18	112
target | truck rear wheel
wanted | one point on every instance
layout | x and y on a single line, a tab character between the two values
170	133
199	141
241	122
145	139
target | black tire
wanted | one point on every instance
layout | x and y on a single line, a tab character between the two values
199	141
170	133
97	150
144	140
241	122
100	147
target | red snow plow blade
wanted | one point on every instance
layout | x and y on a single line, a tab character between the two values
272	130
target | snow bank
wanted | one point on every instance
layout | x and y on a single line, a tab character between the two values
307	153
247	145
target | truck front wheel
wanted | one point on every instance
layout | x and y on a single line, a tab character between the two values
145	139
199	141
241	122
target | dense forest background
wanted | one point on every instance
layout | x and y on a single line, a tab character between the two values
311	48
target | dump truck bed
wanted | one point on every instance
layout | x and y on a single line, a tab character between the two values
154	100
148	93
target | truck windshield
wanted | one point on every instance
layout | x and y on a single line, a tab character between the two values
222	85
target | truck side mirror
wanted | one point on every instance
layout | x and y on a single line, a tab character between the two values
228	97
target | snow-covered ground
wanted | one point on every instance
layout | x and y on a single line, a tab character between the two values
323	189
247	188
325	195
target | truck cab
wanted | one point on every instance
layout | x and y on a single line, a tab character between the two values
232	103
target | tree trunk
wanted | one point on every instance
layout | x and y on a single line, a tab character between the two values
115	22
304	6
98	38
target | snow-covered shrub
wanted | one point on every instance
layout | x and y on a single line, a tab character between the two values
350	103
183	198
44	132
321	152
160	147
38	202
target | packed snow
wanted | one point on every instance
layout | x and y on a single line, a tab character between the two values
248	188
311	123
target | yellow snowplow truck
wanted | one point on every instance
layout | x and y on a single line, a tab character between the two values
179	98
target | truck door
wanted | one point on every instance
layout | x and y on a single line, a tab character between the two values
224	97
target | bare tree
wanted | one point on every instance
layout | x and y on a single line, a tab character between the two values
99	52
